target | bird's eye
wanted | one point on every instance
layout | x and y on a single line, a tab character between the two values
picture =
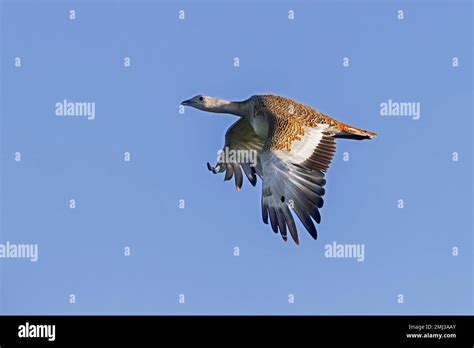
201	98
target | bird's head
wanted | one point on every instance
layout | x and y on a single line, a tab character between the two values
204	102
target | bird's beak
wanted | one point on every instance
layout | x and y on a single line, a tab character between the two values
186	102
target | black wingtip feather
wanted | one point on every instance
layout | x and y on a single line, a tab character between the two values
253	180
273	219
291	223
249	173
307	223
316	215
229	173
281	222
238	176
264	212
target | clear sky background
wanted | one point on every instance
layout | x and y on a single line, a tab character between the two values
190	251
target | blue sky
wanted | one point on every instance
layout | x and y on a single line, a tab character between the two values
190	251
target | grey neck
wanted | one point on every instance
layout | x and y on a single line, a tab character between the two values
230	107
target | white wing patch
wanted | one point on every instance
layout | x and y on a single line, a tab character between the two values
294	182
303	149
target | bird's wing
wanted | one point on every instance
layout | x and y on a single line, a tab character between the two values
295	157
242	150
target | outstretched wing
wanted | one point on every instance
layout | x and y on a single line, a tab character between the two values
296	156
241	151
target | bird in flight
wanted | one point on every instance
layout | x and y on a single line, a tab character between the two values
292	146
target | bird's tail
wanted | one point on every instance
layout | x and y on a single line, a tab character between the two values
349	132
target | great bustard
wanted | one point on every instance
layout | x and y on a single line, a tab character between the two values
294	145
